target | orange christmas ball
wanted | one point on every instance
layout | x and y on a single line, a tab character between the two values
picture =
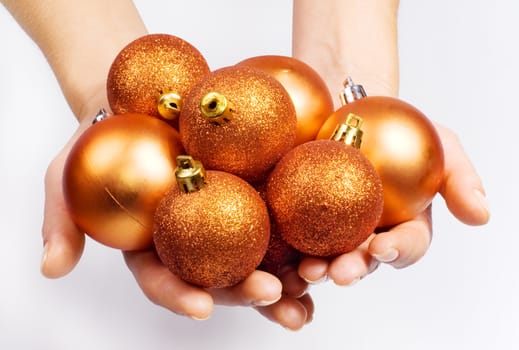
325	196
213	229
115	175
152	75
403	146
312	99
239	120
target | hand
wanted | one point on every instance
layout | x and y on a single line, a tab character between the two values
286	304
406	243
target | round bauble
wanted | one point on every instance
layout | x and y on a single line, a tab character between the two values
152	75
216	234
325	196
115	175
312	99
239	120
403	146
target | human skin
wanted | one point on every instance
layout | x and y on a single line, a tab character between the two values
333	36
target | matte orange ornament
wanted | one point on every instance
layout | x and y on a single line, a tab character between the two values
239	120
212	229
312	99
402	144
115	175
152	75
325	196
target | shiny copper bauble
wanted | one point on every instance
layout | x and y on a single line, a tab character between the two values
215	236
310	95
240	120
404	147
152	74
115	175
325	196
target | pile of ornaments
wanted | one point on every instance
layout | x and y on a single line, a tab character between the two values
244	167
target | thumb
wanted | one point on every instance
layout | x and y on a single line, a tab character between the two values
462	188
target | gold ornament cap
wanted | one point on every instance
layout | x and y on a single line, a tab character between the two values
216	108
169	105
190	174
350	131
351	92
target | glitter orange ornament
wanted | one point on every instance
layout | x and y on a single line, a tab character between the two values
312	99
239	120
212	229
325	196
402	144
152	74
115	175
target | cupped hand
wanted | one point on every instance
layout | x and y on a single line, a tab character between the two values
285	303
404	244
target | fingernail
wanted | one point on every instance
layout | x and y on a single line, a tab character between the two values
320	280
196	318
482	199
265	302
44	257
389	255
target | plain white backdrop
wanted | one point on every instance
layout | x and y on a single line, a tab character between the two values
459	64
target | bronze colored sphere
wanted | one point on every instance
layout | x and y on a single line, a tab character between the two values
403	146
325	196
239	120
152	75
115	175
312	99
214	236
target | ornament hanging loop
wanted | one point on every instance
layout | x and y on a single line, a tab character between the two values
216	108
169	105
350	131
351	92
190	174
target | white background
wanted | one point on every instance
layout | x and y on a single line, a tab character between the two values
458	64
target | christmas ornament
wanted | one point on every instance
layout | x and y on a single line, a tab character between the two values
239	120
279	252
152	74
212	229
402	144
325	196
312	100
115	175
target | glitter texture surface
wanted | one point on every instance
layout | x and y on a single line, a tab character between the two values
150	66
326	197
214	237
262	130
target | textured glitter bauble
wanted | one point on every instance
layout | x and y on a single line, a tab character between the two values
152	74
325	196
310	95
215	236
115	175
279	253
239	120
404	147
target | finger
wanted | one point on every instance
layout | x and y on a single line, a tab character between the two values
260	288
63	242
313	270
347	269
166	289
404	244
308	303
293	285
462	188
288	312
